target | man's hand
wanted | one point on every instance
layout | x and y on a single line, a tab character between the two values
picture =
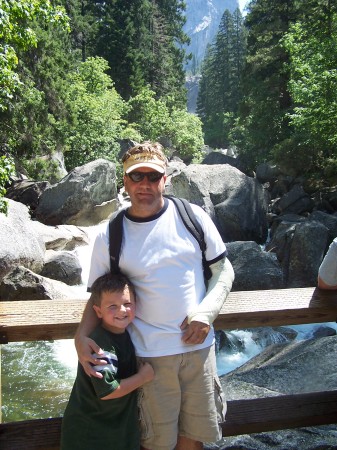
86	347
195	332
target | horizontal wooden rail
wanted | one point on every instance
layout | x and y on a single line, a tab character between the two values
281	412
243	417
34	320
58	319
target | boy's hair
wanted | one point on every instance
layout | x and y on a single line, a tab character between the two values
110	283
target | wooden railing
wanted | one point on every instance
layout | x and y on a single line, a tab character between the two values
58	319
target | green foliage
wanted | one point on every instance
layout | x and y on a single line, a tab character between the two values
219	90
97	110
141	40
148	115
262	116
156	120
41	169
6	170
294	157
313	86
16	33
330	170
186	135
27	129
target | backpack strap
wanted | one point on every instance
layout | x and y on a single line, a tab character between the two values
191	223
188	217
115	239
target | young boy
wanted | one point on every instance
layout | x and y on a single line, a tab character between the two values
102	412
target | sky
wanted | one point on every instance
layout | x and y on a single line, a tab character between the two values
242	4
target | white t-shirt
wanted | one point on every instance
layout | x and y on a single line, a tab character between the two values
164	262
328	268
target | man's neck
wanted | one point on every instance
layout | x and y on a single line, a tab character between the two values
143	212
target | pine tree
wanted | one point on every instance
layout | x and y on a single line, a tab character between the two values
219	92
140	40
263	114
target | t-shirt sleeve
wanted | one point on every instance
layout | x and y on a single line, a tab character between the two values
109	383
328	268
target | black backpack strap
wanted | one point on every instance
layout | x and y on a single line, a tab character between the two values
190	221
115	239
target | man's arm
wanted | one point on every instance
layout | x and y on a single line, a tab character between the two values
197	325
99	265
327	272
85	346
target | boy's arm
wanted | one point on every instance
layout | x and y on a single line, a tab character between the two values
127	385
85	346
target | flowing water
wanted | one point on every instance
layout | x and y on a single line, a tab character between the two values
37	376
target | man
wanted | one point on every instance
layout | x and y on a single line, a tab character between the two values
183	406
327	272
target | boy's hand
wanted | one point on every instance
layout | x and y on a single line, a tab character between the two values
146	371
85	348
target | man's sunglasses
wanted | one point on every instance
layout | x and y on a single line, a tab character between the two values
137	177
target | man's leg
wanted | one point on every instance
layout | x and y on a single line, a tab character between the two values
185	443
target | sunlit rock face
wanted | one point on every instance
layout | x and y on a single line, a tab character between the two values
202	22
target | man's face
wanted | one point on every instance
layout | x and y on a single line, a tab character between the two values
145	195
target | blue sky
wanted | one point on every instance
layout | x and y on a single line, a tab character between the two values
242	4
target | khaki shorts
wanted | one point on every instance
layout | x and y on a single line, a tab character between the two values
185	399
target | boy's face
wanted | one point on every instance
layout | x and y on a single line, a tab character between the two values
117	310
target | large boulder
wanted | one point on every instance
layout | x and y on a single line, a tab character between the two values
328	220
254	268
217	157
295	201
86	196
62	266
300	247
23	284
286	368
20	244
62	237
27	192
236	202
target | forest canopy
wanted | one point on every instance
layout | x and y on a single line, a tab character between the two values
269	87
79	76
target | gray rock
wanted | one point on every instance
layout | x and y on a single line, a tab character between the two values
20	244
328	220
267	172
236	202
23	284
296	367
61	237
288	368
295	201
86	196
300	247
253	267
62	266
27	192
217	157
